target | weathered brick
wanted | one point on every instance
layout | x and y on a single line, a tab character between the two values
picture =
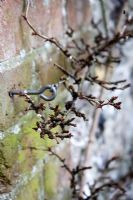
46	16
15	73
29	64
15	34
78	13
26	71
10	38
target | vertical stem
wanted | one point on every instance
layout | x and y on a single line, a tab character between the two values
65	14
104	17
91	136
96	114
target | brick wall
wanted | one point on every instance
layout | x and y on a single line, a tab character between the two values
27	62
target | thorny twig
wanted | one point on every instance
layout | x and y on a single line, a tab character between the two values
72	172
112	85
58	117
47	39
75	173
95	50
108	43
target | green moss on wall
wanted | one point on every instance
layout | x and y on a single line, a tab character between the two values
17	159
51	179
30	190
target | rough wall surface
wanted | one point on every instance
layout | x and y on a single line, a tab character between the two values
26	62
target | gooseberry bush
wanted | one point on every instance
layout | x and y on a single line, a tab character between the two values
84	56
